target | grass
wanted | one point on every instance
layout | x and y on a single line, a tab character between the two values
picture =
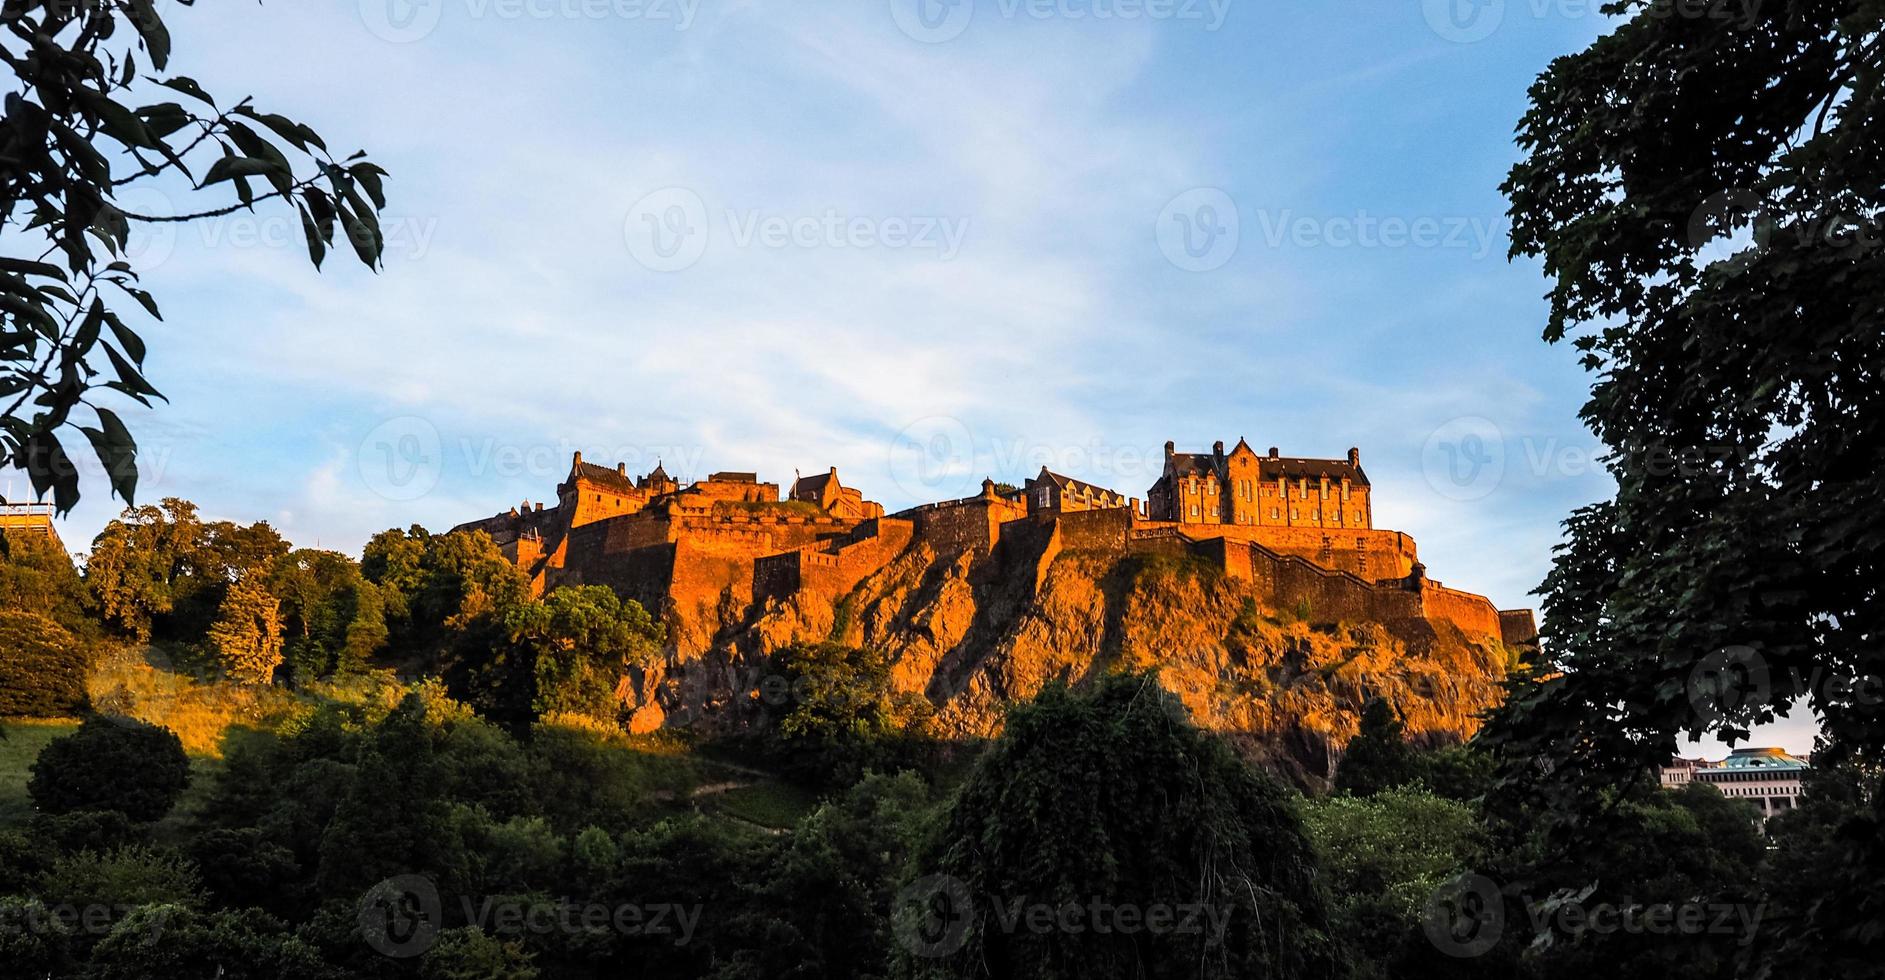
145	684
25	737
770	804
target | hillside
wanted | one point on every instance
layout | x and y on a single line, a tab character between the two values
978	633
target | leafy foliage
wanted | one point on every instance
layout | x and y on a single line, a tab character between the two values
580	641
42	667
246	635
1115	796
86	125
840	715
1709	200
1383	857
112	764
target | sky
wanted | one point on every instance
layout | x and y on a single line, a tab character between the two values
923	241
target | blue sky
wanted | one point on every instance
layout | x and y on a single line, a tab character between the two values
920	245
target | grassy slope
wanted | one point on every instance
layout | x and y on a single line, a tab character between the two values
25	737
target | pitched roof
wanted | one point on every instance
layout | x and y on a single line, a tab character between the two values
1297	467
813	484
1272	468
603	476
1078	486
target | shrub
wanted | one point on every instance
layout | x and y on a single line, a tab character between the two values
470	954
170	942
123	878
85	830
112	764
42	667
34	942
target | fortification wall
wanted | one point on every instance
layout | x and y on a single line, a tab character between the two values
973	524
1472	613
833	568
1519	628
1371	554
1108	529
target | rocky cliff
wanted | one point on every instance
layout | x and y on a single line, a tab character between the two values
976	632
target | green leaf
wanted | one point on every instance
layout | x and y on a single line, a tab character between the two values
188	87
317	248
232	167
151	28
117	450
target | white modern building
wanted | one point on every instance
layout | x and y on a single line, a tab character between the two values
1768	778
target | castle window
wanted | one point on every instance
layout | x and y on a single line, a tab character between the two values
1211	488
1275	513
1194	510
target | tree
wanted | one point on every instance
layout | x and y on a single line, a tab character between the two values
470	954
170	941
42	667
37	576
1708	199
580	641
1108	802
247	633
1378	757
86	124
332	617
111	764
1740	397
1384	855
839	714
137	561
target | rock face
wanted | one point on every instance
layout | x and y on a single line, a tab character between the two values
976	631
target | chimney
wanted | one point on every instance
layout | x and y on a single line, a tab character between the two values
621	469
1354	456
1170	447
539	505
1272	452
577	460
1217	449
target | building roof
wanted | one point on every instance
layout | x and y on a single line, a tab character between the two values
1297	467
1066	483
814	484
1770	759
1272	467
733	476
602	475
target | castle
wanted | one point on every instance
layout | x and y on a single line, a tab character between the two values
703	553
